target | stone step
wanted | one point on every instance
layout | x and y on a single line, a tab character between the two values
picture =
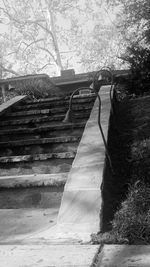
54	103
59	98
33	180
32	121
23	147
46	111
49	166
47	99
43	134
41	129
52	140
37	157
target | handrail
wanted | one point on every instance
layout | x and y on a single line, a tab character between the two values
68	116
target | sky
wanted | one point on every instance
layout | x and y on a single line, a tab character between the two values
86	21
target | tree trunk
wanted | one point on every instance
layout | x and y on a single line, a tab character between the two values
3	93
55	40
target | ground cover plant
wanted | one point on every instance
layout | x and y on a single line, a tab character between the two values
125	212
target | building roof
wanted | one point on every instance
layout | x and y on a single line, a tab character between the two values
26	78
70	78
83	77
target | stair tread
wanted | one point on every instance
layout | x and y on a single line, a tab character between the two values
60	98
60	126
47	111
37	104
45	118
53	179
51	140
28	176
39	157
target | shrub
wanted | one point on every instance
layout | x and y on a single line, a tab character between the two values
138	58
132	221
35	86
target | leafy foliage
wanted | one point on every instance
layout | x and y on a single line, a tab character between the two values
134	25
138	58
133	18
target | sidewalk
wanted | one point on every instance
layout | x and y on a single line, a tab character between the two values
124	256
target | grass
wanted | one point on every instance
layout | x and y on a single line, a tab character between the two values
131	223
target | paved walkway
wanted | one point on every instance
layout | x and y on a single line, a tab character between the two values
19	224
124	256
47	255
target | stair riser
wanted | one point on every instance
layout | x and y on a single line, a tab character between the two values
36	167
38	149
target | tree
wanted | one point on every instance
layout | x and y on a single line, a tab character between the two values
95	36
134	20
134	25
5	54
32	28
49	35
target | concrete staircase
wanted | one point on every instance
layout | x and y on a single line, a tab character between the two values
39	227
36	153
34	140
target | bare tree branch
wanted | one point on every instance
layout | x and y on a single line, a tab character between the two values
47	51
48	64
32	43
9	70
33	34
